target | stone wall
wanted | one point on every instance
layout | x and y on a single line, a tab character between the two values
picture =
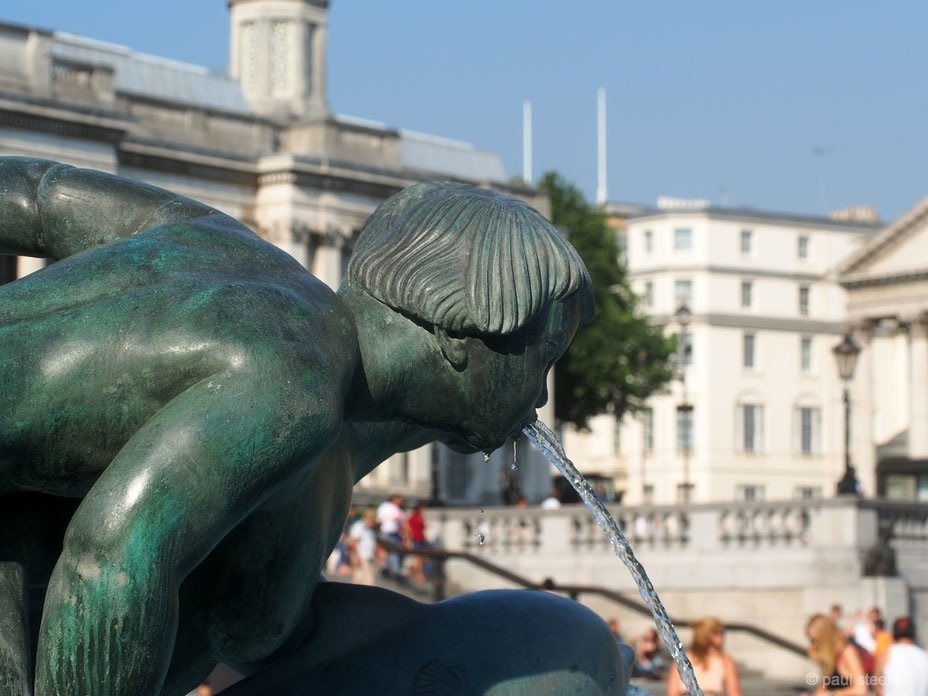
771	564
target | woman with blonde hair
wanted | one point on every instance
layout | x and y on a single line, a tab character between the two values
842	669
715	670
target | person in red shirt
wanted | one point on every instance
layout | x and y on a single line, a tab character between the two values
415	533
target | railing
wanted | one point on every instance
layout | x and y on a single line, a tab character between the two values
786	526
440	557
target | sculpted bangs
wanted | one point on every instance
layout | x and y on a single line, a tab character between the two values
468	260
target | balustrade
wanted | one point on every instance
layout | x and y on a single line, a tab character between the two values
707	528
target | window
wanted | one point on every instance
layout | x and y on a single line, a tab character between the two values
805	354
747	351
804	300
747	288
281	57
803	250
647	430
684	348
683	292
685	428
808	430
682	239
750	428
749	493
648	241
308	38
649	294
808	492
747	240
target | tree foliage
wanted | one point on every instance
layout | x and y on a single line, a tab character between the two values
618	360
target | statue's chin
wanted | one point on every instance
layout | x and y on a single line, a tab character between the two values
459	445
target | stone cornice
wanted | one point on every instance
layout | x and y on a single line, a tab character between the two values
739	271
754	322
329	175
752	216
201	165
324	4
101	126
863	280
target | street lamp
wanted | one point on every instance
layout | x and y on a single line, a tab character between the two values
683	316
846	354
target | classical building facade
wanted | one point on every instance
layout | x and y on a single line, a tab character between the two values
260	143
887	290
757	413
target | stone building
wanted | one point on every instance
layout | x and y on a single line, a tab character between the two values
887	290
260	143
758	414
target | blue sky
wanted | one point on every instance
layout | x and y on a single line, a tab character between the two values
718	99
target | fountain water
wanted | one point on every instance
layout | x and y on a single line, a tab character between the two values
547	443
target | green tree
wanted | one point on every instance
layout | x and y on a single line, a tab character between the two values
618	360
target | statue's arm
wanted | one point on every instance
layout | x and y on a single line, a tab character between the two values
192	473
55	210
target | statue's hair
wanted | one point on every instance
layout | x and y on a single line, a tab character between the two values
465	259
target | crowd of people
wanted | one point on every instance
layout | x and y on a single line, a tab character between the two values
860	657
715	670
855	657
359	556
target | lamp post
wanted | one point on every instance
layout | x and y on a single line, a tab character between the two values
846	354
684	316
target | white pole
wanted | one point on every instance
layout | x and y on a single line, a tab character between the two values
527	141
601	188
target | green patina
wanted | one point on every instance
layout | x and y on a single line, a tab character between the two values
209	404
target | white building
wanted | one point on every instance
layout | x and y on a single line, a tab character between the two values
260	143
760	415
887	287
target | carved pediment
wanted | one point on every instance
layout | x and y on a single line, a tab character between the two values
898	252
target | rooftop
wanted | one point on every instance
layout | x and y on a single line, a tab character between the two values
748	214
153	77
161	79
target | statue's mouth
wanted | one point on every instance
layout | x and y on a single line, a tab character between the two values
472	443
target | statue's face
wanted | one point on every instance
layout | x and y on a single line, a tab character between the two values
504	381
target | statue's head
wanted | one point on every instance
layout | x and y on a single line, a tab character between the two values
498	287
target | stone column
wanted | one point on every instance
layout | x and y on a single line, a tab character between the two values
863	444
327	264
918	389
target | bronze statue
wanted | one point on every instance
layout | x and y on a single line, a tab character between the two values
184	411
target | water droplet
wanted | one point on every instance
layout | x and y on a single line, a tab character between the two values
481	538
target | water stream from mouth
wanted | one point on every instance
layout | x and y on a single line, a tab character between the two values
547	443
